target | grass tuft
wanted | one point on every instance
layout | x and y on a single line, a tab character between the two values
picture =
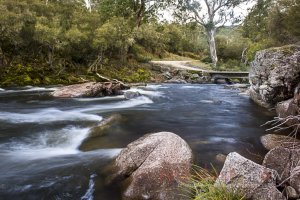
201	186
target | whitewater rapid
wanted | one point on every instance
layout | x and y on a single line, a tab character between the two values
64	141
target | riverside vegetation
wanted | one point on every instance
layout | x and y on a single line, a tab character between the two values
63	42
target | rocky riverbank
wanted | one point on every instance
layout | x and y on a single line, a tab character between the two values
164	74
275	75
156	165
91	89
274	79
148	164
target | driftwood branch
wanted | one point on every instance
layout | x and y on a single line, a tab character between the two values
285	123
102	77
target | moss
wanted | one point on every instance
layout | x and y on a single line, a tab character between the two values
20	75
286	50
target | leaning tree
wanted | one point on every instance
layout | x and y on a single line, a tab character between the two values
211	14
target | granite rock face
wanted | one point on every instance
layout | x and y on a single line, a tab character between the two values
131	95
256	181
274	75
271	141
153	166
286	161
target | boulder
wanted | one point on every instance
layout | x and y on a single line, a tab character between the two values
290	193
288	108
176	81
285	161
274	75
90	89
167	75
220	158
255	181
279	160
105	124
271	141
131	95
195	76
295	178
184	75
153	166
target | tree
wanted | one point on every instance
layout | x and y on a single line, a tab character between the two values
211	14
255	25
139	11
272	23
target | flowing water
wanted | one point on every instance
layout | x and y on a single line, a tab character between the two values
45	151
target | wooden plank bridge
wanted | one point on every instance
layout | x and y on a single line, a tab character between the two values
227	75
215	75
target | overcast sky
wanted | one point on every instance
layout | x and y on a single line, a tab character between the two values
242	11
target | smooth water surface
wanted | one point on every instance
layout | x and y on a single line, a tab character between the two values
46	153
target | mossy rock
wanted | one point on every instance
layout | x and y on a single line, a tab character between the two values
286	50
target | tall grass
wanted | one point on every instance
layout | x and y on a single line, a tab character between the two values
201	186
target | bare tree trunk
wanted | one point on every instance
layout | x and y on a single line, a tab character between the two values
244	57
139	7
50	57
211	33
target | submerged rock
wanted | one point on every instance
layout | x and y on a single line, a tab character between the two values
220	158
272	141
90	89
131	95
256	181
105	124
274	75
153	167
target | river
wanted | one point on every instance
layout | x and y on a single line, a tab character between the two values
40	136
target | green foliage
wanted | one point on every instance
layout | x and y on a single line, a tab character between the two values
257	46
114	37
272	23
132	73
151	39
63	38
231	44
206	59
59	40
232	65
201	186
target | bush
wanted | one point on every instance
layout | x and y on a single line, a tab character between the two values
151	39
141	54
254	47
231	48
206	59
